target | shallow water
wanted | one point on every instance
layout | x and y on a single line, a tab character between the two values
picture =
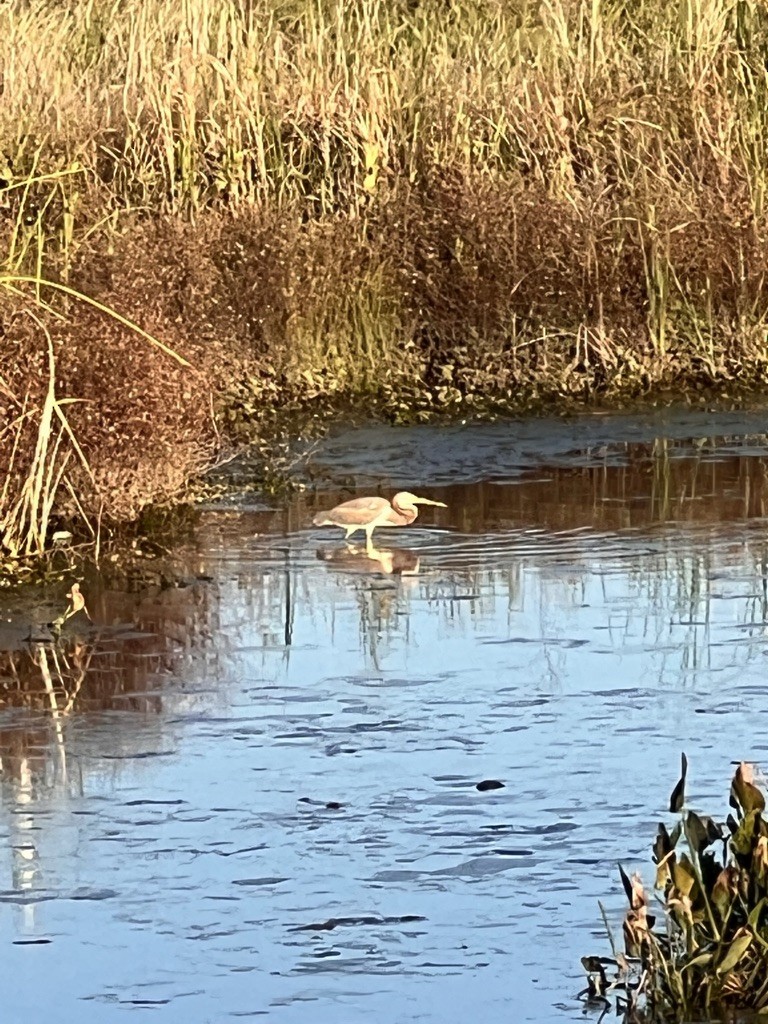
255	794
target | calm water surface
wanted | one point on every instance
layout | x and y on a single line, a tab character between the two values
254	795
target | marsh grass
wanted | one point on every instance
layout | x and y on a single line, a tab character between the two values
420	204
55	459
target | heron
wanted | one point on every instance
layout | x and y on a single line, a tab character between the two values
368	513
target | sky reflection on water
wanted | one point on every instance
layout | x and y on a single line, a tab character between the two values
262	800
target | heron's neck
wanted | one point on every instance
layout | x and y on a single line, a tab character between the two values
408	512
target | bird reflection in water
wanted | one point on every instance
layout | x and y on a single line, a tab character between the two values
369	559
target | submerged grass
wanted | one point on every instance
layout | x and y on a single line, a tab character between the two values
419	205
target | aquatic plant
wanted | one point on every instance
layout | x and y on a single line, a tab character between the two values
711	954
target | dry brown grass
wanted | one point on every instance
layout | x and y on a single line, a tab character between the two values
96	424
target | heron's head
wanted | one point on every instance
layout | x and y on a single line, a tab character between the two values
407	500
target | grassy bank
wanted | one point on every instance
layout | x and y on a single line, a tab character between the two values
421	203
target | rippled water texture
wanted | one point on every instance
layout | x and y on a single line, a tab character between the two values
255	794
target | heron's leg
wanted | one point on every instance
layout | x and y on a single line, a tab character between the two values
369	538
349	531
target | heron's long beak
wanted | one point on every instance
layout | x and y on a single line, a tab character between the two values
428	501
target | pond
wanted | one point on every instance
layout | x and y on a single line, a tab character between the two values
254	793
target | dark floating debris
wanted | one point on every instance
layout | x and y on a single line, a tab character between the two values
153	803
329	805
144	1002
488	784
271	880
338	922
710	959
139	756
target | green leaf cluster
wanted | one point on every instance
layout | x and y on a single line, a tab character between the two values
711	955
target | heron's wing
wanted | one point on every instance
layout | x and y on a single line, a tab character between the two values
363	505
356	512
